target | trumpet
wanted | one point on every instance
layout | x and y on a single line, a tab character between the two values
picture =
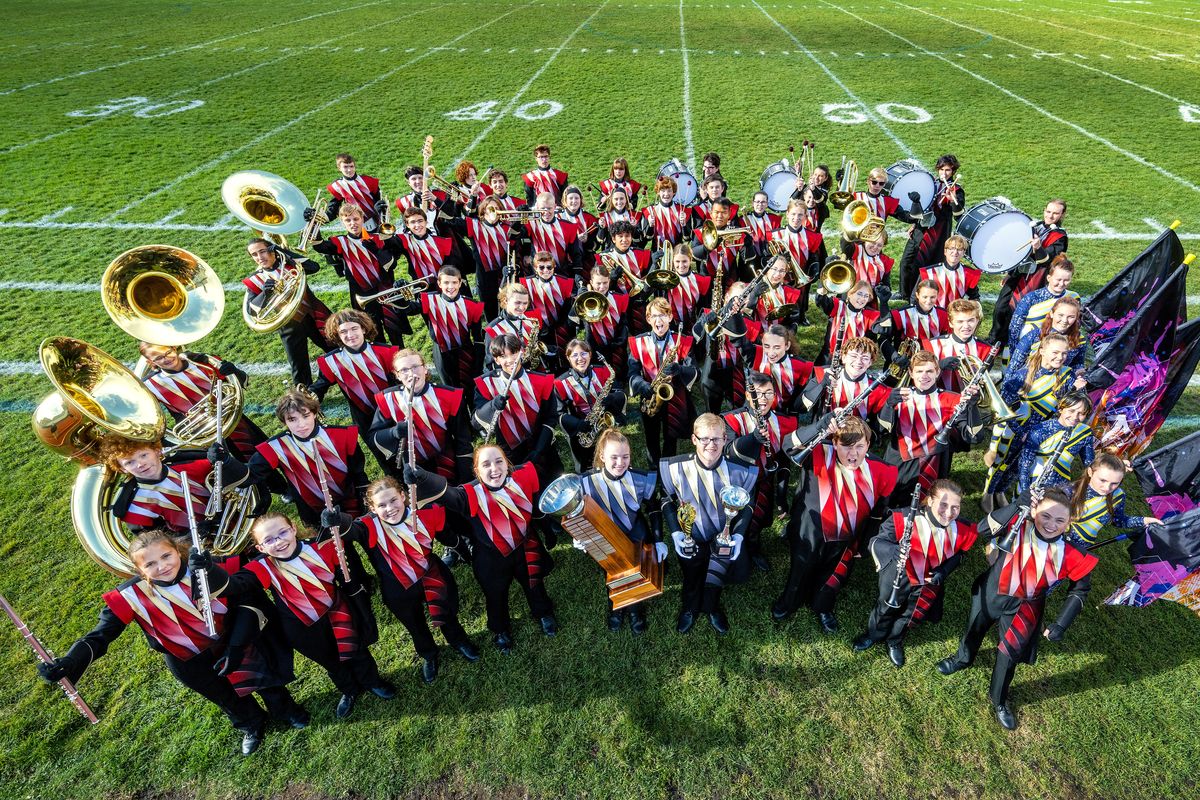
312	231
780	250
840	198
493	215
454	191
395	295
617	267
714	239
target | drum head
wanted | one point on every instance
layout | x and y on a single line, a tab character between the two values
778	181
997	237
686	190
904	178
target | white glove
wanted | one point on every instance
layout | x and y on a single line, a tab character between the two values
578	545
660	551
737	546
680	550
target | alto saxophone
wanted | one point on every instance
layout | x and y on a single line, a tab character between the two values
534	349
598	419
661	390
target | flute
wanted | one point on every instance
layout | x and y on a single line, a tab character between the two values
45	656
201	576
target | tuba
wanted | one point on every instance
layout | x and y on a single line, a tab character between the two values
859	224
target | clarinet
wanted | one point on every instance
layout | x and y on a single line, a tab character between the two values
201	575
1007	542
335	532
45	656
943	436
841	415
835	356
489	429
412	458
905	546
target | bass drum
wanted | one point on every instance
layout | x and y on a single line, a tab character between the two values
778	181
998	235
686	188
907	176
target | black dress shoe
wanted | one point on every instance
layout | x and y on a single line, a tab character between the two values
1004	715
429	669
344	706
802	321
467	650
896	653
298	719
504	642
779	613
251	739
451	558
761	563
614	620
719	621
384	690
549	625
637	622
686	620
950	665
828	622
863	642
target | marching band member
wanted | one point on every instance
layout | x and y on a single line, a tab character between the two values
721	375
884	205
555	236
874	266
425	252
1063	319
921	321
773	356
618	178
307	450
579	390
816	209
778	301
443	443
731	255
586	224
697	480
1012	591
636	260
665	222
841	493
625	495
1097	499
309	321
1045	438
454	326
499	185
936	544
659	359
849	318
832	389
518	407
620	210
466	177
762	223
359	367
608	335
180	380
954	280
964	317
154	497
516	319
499	507
1032	390
551	297
710	165
928	235
411	577
491	242
773	474
693	290
326	619
368	265
1034	306
362	190
421	196
806	247
713	189
913	417
544	178
1051	240
225	669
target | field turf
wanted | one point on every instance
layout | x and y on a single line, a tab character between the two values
118	122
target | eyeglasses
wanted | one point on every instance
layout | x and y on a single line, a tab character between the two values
708	440
405	370
271	541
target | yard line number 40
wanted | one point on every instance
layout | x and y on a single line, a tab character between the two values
488	109
142	107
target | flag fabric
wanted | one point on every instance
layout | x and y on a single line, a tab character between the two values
1164	556
1183	366
1172	470
1107	311
1129	375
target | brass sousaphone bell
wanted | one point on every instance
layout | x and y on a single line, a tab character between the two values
860	224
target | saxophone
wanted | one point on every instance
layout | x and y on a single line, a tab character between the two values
598	419
661	390
534	349
717	304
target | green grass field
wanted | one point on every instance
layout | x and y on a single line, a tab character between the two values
121	119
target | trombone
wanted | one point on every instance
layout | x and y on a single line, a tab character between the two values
396	295
493	215
714	239
617	267
454	191
840	198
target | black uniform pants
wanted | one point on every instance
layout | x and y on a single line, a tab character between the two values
408	606
496	574
317	643
890	623
813	561
698	593
244	713
295	338
987	609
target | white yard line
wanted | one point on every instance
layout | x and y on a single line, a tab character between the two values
866	109
1128	10
1125	22
1056	56
688	143
1049	115
262	137
227	76
516	98
179	50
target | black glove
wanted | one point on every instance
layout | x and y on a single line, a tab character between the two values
381	207
199	559
229	662
837	176
951	362
217	453
500	401
54	671
331	517
400	430
413	475
708	317
614	401
227	369
268	285
914	196
308	214
1054	633
935	579
671	370
900	360
339	266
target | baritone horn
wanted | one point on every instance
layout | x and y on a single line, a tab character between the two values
989	395
713	238
841	197
837	278
860	224
591	307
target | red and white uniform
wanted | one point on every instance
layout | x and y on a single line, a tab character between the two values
761	228
688	296
171	620
555	237
308	305
607	219
636	261
845	389
437	409
881	205
912	323
333	446
540	180
577	395
779	427
527	396
724	256
360	375
604	332
703	211
505	513
1035	565
584	223
362	190
425	254
630	186
951	346
953	284
364	270
773	298
406	548
665	223
931	545
163	499
548	301
790	374
847	496
875	270
450	321
803	244
491	242
406	201
857	323
918	420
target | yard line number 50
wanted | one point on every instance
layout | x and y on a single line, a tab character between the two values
488	109
141	107
855	114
